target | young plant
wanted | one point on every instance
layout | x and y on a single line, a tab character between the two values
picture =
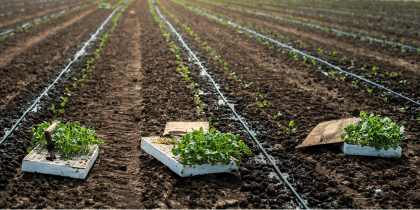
352	62
404	109
373	70
53	109
334	53
264	103
343	78
369	91
364	66
258	95
344	58
331	73
212	124
404	82
393	74
198	147
200	109
290	129
385	98
247	85
239	80
71	140
374	132
277	115
354	83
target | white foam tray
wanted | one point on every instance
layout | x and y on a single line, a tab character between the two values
350	149
77	168
163	152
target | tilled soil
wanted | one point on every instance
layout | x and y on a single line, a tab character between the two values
310	98
19	8
135	90
385	58
10	21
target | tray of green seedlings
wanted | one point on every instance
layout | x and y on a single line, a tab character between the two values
62	149
373	136
198	152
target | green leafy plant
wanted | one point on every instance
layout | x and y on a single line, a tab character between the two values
53	109
342	78
354	83
364	66
258	95
247	85
334	53
71	140
212	124
393	74
373	70
344	58
404	109
200	109
331	73
290	129
239	80
374	132
404	82
384	95
369	91
264	103
197	147
277	115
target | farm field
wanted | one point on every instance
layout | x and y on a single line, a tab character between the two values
125	72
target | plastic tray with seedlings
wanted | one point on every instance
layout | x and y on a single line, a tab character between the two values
198	152
62	149
373	136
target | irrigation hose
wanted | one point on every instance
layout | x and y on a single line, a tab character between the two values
306	55
77	55
233	110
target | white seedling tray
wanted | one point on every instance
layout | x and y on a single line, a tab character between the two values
163	152
77	168
350	149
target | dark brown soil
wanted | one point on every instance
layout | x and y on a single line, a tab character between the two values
135	90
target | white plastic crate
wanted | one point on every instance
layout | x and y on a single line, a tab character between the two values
350	149
163	152
77	168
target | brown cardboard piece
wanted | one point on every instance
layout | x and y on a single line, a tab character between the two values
327	132
179	128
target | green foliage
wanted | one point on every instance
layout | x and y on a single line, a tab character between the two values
404	109
404	82
354	83
369	91
53	109
393	74
247	85
373	70
384	95
69	139
290	128
258	95
264	103
374	132
197	147
277	115
342	78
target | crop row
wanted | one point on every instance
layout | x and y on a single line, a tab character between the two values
89	63
322	26
294	53
383	25
343	59
40	6
84	71
362	13
34	8
218	58
36	22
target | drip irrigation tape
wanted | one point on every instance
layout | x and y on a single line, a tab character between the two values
338	31
77	55
233	110
306	55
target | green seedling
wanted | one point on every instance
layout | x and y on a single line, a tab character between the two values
385	98
264	103
277	115
364	66
354	83
239	80
53	109
247	85
74	85
393	74
212	124
404	109
352	62
331	73
369	90
344	58
192	85
334	53
342	78
200	108
374	70
290	129
404	82
258	95
313	62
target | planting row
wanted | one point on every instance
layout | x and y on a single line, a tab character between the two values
349	56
